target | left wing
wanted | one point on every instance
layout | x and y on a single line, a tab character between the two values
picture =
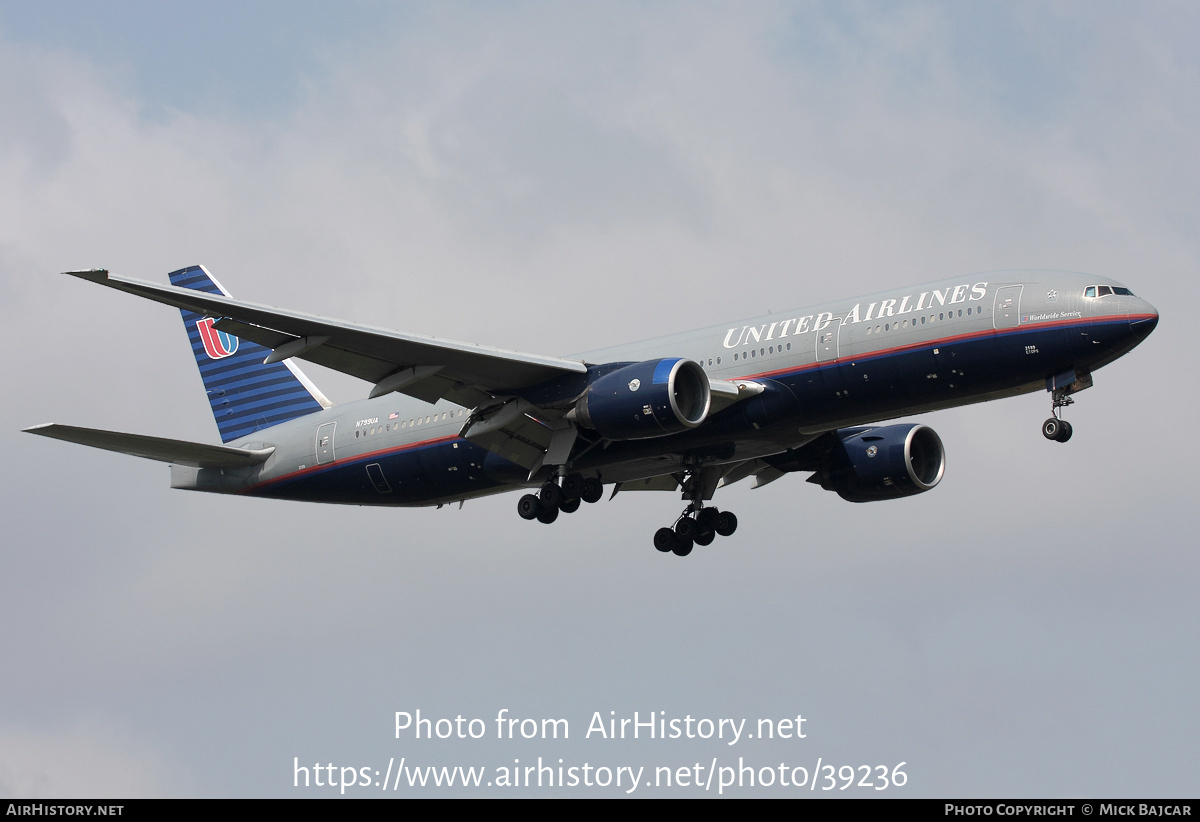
179	452
423	367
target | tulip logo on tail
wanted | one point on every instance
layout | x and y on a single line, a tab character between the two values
217	344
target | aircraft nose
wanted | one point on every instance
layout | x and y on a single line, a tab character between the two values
1143	322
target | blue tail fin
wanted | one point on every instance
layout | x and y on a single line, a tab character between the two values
246	395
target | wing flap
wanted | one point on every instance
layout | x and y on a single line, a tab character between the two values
178	452
508	430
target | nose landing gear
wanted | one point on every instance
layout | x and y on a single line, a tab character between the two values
1056	428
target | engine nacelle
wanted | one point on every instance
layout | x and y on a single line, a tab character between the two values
646	399
893	461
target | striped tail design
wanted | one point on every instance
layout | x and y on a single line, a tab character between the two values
246	396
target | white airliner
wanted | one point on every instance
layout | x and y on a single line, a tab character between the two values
799	390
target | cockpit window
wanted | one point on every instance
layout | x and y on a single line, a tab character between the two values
1106	291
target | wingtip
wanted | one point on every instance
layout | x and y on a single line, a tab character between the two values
96	275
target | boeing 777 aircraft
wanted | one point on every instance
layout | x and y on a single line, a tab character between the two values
795	391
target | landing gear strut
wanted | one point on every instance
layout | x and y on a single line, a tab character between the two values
1056	428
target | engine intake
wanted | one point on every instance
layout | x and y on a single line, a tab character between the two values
871	464
646	399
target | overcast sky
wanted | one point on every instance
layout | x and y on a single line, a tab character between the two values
559	177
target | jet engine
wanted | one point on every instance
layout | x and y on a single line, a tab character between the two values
870	464
646	399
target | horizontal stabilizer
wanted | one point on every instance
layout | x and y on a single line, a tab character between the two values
179	452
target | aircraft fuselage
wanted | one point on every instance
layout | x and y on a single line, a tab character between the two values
825	367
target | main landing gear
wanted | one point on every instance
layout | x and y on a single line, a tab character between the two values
1056	428
696	526
551	498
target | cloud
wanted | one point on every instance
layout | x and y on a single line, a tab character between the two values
90	759
555	179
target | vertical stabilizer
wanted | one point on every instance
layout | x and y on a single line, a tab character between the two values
245	395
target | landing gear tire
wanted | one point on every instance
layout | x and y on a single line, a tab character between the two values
727	524
551	495
569	506
1052	428
547	514
708	518
572	486
593	490
529	506
706	537
1065	433
687	529
664	540
683	547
